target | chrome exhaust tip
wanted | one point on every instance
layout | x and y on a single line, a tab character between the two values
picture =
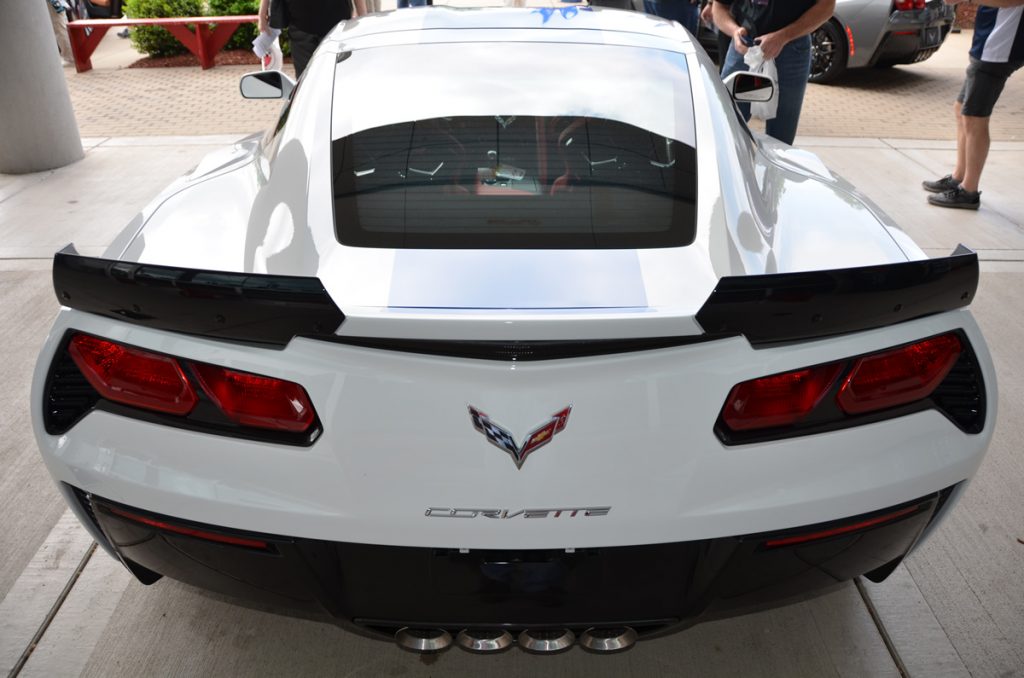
608	640
423	640
544	641
484	640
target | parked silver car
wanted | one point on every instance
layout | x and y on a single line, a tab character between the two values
861	33
878	33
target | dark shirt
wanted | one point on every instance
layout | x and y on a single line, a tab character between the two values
999	34
762	17
317	16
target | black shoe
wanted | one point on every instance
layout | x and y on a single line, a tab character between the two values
957	197
946	183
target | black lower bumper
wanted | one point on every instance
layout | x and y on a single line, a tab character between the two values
911	46
382	588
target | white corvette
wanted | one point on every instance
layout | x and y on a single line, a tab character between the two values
510	331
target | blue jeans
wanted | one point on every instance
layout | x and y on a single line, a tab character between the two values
794	66
677	10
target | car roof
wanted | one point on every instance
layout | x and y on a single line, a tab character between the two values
572	23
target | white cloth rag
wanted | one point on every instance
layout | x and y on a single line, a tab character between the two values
756	63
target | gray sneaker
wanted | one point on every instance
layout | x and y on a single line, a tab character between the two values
946	183
957	197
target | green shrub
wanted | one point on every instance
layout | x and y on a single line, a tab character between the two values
154	40
246	33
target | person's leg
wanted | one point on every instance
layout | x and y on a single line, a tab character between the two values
977	142
951	181
303	45
724	40
59	21
732	63
689	17
678	10
982	87
975	115
961	144
794	65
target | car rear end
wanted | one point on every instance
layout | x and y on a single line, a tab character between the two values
915	30
535	413
699	474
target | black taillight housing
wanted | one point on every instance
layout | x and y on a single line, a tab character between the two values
939	372
90	372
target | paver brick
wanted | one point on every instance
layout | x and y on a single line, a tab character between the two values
912	102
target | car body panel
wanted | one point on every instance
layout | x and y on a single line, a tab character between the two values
871	21
400	440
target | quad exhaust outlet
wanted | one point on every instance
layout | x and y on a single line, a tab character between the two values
424	641
545	641
484	640
608	640
536	641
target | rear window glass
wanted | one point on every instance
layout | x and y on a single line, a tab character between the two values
576	157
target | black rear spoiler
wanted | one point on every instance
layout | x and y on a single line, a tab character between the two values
272	309
246	307
786	307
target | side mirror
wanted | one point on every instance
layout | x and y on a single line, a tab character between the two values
751	87
266	85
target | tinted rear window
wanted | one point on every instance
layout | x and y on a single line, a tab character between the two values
538	162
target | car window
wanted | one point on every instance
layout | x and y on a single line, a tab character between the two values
556	160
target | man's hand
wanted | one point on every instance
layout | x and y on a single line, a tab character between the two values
706	14
772	43
737	40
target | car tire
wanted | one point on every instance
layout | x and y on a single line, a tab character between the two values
828	53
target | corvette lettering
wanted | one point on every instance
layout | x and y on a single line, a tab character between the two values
508	514
501	438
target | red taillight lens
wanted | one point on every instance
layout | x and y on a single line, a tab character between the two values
778	400
190	531
903	5
841	529
899	376
252	400
133	377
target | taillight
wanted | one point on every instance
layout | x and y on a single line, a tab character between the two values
778	400
241	401
838	394
899	376
252	400
133	377
907	5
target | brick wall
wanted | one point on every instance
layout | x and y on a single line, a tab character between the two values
965	15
